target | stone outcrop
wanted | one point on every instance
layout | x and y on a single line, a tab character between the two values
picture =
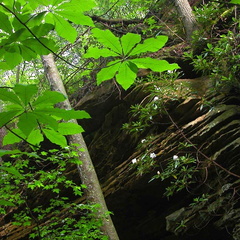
141	211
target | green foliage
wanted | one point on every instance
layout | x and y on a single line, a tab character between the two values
25	27
220	60
124	49
45	173
180	170
36	116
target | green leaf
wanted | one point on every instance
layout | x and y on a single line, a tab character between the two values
13	59
63	28
69	128
126	75
55	137
40	48
25	92
42	29
11	138
154	64
49	98
8	152
5	24
12	170
8	116
27	122
6	203
97	53
150	45
108	39
27	53
109	72
45	119
235	1
6	95
129	41
35	137
79	114
36	19
74	9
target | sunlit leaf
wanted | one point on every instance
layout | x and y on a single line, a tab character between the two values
150	45
108	39
154	64
25	92
126	75
35	137
69	128
109	72
129	41
11	138
97	53
55	137
49	98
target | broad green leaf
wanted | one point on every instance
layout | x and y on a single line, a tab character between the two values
36	19
8	152
6	203
19	35
97	53
35	137
64	28
74	9
69	128
11	138
12	170
25	92
40	48
126	76
108	72
79	114
235	1
5	24
49	98
42	29
45	119
6	95
63	113
108	39
55	137
78	5
150	45
129	41
6	117
154	64
27	122
13	59
27	53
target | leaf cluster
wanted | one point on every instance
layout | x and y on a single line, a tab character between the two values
36	117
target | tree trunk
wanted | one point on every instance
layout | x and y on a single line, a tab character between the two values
185	11
86	169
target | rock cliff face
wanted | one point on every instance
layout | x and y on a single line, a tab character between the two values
141	211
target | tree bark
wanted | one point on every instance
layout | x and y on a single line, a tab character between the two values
86	169
189	21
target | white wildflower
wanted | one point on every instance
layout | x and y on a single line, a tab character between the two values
134	161
158	173
152	155
175	157
155	98
143	140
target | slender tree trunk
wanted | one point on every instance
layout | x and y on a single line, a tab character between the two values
185	11
86	169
